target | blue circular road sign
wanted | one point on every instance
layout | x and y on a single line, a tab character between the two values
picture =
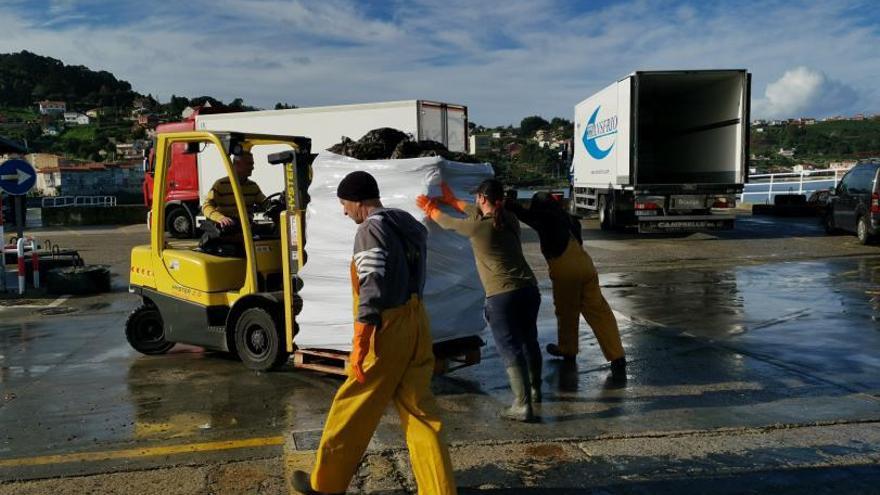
17	177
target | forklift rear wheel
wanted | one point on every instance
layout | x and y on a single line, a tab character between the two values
178	223
145	332
258	340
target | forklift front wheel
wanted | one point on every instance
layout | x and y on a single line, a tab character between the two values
145	331
258	340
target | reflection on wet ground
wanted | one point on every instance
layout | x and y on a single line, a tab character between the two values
767	344
819	317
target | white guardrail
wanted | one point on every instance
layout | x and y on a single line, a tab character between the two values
764	186
62	201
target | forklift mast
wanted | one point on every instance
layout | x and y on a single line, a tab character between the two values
297	177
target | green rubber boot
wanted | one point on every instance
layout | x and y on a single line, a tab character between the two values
521	409
535	380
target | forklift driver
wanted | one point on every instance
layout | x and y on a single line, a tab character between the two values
223	235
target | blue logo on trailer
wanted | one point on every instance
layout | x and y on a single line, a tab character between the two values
17	177
595	131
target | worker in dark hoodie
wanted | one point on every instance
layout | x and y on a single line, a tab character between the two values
576	289
392	355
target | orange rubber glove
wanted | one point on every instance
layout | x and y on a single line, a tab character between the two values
428	205
363	332
450	199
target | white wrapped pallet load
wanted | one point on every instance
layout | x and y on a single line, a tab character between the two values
453	294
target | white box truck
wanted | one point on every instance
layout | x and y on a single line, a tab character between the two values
663	150
425	120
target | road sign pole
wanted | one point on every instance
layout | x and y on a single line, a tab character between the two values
20	205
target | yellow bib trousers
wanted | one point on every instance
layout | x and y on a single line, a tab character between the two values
576	292
398	367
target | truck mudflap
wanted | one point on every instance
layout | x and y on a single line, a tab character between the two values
685	223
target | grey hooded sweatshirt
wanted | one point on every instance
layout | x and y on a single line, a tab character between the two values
389	256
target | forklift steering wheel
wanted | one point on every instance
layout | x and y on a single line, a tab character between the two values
272	207
272	202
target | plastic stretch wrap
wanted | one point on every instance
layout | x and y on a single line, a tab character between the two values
453	294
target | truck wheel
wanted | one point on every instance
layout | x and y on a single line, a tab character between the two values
145	332
179	223
862	231
606	214
258	340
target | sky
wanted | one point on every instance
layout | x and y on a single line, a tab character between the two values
505	60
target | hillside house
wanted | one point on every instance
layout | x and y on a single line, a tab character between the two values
76	118
48	107
91	179
480	144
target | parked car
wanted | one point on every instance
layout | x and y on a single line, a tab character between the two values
854	206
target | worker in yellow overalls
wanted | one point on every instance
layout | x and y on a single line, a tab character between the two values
576	289
392	355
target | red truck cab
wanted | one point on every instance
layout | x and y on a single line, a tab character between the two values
182	197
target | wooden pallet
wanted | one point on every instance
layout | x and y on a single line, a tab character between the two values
446	358
446	364
324	360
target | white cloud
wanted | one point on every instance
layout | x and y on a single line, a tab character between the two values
505	60
805	92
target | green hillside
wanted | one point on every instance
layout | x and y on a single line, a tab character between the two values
26	78
819	143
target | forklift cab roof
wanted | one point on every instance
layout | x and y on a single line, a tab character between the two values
237	142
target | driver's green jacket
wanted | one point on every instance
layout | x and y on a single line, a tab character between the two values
221	201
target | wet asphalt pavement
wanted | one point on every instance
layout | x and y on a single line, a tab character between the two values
759	346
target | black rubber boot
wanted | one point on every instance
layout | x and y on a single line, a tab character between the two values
553	350
521	409
535	380
617	378
301	481
618	367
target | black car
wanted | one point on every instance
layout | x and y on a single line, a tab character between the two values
854	206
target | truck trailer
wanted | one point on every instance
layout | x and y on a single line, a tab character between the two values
663	151
189	182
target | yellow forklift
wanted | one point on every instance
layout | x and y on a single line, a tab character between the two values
240	304
244	305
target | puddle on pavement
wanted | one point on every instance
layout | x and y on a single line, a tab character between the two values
59	310
19	302
819	317
15	336
20	371
729	302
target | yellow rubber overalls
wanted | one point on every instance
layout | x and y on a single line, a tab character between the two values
576	292
398	368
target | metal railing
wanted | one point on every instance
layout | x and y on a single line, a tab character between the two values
804	182
62	201
57	201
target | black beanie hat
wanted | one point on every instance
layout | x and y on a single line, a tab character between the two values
358	186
